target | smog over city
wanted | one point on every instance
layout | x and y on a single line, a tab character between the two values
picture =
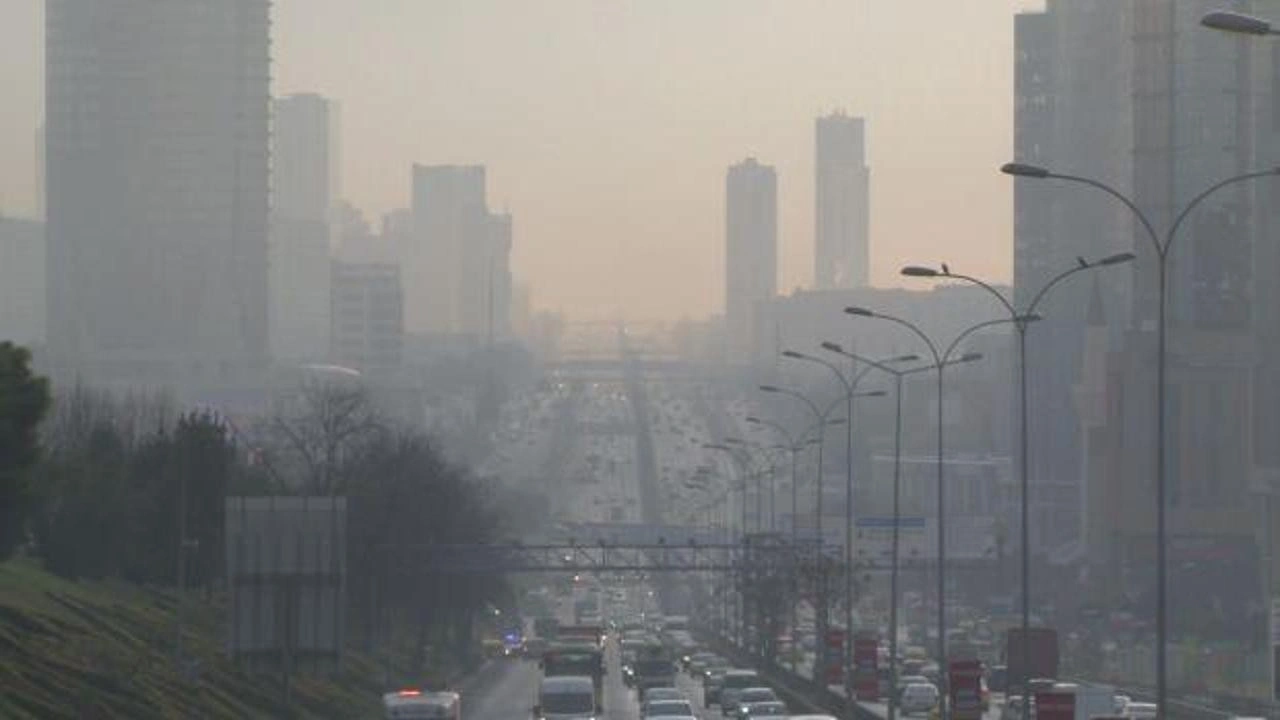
640	359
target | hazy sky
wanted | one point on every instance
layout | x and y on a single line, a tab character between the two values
607	125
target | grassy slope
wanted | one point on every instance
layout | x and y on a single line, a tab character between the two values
103	649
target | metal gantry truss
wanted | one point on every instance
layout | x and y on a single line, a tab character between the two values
603	557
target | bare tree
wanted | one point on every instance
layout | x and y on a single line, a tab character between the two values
325	426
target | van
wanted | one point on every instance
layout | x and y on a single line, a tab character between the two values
566	697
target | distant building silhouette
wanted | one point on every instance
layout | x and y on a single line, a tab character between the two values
368	316
1072	112
457	272
751	250
157	163
842	207
303	177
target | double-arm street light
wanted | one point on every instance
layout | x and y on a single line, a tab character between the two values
897	374
1021	327
850	385
821	420
1161	246
940	361
758	471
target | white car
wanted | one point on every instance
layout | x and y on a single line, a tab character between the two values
654	694
918	697
665	708
767	710
1140	711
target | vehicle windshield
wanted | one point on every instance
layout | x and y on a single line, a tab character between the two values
756	709
568	703
669	707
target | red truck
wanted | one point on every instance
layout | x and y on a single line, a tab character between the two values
1037	658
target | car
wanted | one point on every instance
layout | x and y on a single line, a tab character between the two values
695	662
660	708
1012	709
712	683
918	697
748	696
735	681
1141	711
906	680
766	710
661	693
812	717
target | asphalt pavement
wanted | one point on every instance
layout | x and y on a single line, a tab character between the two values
508	690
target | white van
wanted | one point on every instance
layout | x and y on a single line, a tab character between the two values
566	697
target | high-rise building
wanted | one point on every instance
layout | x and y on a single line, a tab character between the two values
22	279
449	214
1072	87
368	316
458	277
842	207
39	174
157	188
751	249
302	197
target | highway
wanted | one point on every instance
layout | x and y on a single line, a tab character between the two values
506	691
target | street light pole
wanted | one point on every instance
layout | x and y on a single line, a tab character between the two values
850	385
1023	449
940	363
1161	248
820	612
898	374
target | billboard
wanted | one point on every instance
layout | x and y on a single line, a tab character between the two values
286	577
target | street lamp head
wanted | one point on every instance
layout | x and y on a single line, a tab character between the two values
919	271
753	419
1236	23
1116	259
770	388
835	421
794	355
873	393
735	441
861	311
970	357
904	358
1028	318
1024	170
832	346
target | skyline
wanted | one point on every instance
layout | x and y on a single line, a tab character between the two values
633	144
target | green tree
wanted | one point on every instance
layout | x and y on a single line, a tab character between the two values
24	399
